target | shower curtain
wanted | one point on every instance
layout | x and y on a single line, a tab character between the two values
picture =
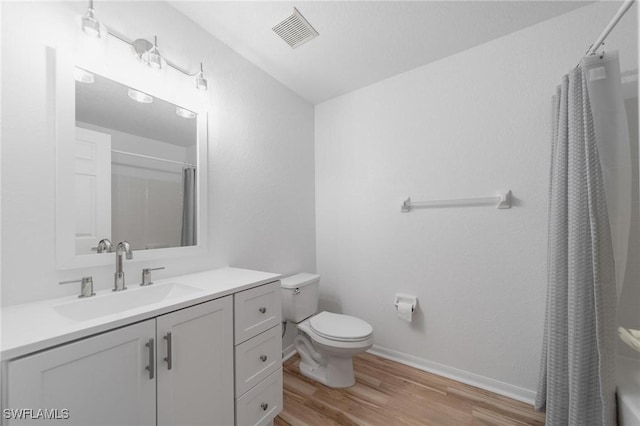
577	375
189	233
590	183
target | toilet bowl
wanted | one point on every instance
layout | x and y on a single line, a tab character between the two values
326	342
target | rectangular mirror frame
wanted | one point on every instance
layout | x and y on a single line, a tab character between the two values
61	110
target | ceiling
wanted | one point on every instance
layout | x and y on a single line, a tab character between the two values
361	42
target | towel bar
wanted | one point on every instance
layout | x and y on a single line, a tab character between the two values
502	200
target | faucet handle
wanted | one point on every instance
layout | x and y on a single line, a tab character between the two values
146	275
104	246
86	286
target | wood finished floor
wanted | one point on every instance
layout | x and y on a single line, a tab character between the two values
388	393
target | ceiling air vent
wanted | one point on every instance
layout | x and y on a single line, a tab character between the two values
295	30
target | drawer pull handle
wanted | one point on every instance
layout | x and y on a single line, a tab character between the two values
264	406
169	358
152	357
263	310
263	358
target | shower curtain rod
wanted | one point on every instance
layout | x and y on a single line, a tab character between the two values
623	9
153	158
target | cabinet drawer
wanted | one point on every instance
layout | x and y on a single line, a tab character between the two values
257	358
262	403
256	310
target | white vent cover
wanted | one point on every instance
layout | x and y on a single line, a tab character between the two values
295	30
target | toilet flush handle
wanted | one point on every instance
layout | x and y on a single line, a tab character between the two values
296	291
263	310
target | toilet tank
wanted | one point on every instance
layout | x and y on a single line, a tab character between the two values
299	296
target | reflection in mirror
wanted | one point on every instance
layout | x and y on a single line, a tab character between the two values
135	168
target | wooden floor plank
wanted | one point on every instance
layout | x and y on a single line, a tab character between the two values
388	393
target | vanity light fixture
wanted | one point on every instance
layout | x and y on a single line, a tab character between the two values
83	76
185	113
201	82
90	24
144	50
154	60
148	53
140	96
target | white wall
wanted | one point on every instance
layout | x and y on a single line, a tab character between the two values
464	126
261	178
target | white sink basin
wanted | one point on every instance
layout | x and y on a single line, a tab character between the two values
112	303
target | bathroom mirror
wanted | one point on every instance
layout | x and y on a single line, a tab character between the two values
135	167
130	166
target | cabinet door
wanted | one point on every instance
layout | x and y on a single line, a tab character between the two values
195	365
101	380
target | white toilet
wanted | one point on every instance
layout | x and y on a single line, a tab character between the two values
326	342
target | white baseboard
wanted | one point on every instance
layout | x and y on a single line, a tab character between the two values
486	383
288	352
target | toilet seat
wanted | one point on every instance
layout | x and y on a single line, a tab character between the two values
340	328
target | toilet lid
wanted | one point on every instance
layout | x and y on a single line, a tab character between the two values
340	327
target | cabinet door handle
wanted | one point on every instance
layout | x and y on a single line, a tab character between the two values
262	310
264	406
150	368
168	359
263	358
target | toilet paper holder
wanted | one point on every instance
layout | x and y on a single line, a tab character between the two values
406	298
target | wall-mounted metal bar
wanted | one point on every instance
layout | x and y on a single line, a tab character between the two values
168	62
614	21
502	201
148	157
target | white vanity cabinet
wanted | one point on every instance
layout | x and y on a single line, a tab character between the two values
258	355
178	365
208	353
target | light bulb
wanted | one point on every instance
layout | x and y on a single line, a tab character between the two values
154	60
201	82
90	24
140	97
185	113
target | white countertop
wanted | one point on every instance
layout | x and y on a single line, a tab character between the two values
31	327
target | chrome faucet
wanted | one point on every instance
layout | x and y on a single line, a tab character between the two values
122	248
105	246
